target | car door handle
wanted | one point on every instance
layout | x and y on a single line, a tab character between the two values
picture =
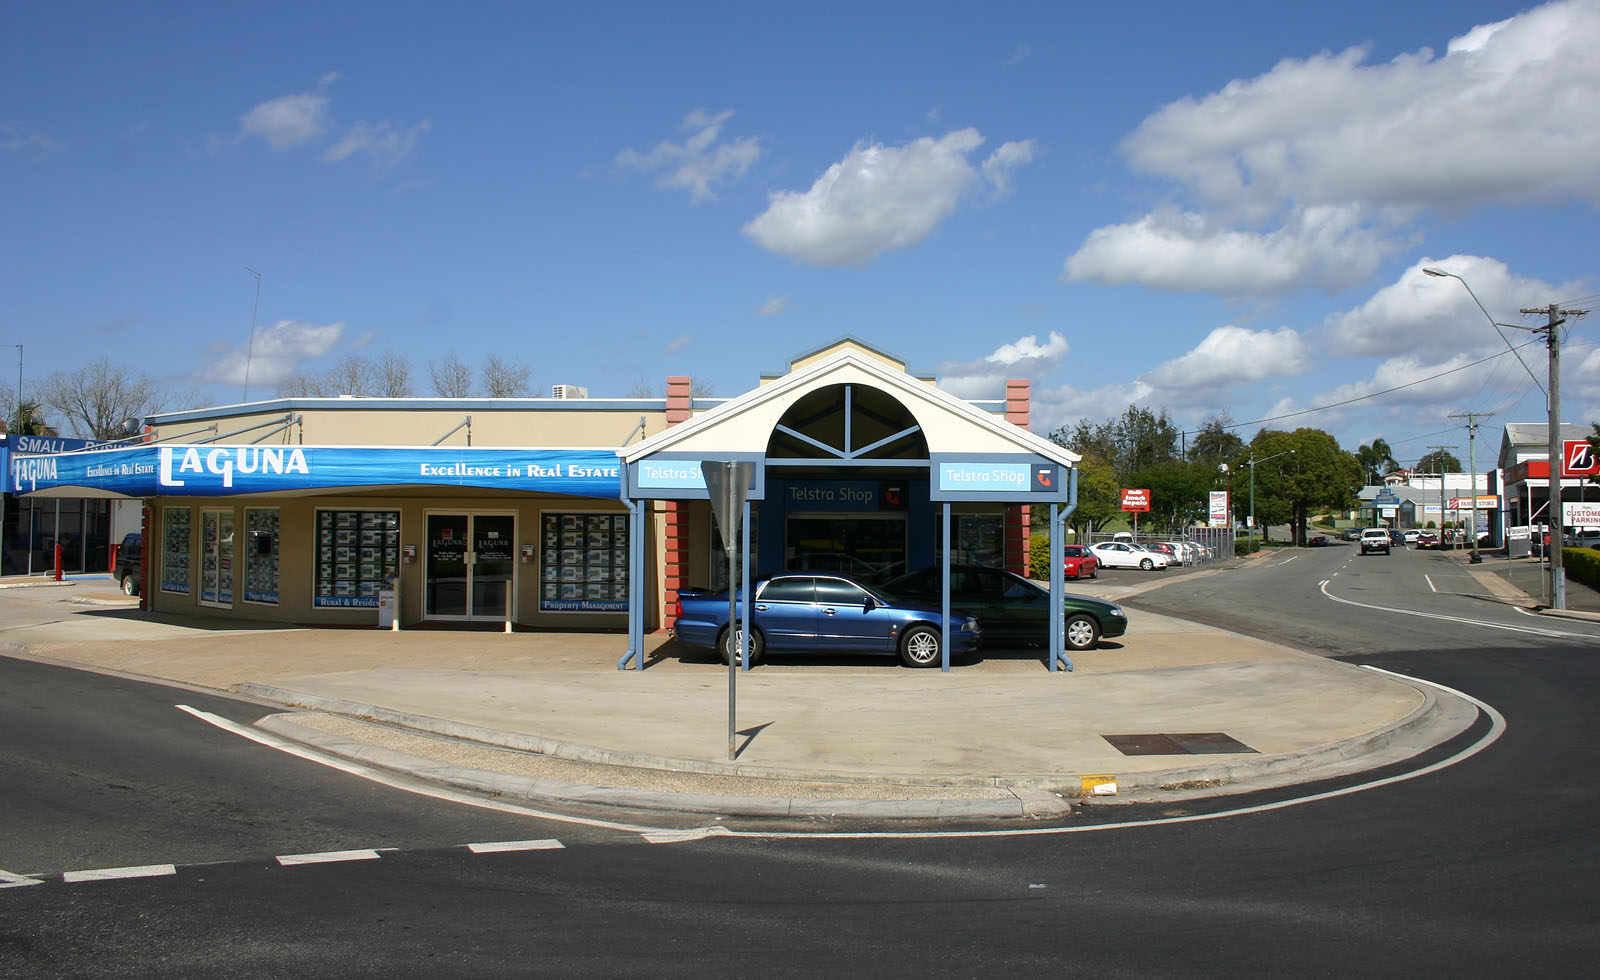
761	607
829	610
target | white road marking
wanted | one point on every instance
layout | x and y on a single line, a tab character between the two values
1429	579
386	778
328	857
1537	631
1497	728
697	833
497	847
108	874
9	880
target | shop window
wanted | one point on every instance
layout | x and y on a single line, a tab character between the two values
358	552
583	563
217	551
175	527
261	555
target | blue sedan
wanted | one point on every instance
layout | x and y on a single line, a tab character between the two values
820	612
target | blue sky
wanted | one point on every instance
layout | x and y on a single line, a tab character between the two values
1203	208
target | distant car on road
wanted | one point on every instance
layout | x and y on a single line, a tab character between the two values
1411	535
1351	534
1124	554
1375	539
1317	541
1427	539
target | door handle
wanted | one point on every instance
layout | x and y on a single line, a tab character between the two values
829	611
761	607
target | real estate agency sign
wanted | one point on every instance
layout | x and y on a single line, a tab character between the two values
1219	508
1137	501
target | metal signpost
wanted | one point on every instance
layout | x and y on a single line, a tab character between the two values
728	484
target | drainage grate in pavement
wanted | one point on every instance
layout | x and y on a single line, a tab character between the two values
1191	743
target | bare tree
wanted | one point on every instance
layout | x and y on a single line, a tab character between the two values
643	387
451	378
505	379
353	375
98	399
300	386
392	376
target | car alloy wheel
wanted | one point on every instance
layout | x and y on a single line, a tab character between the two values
128	587
731	640
1146	564
920	647
1082	632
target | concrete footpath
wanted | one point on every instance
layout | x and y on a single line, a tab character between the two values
548	717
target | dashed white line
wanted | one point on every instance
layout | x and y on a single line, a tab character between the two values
109	874
328	857
9	880
501	846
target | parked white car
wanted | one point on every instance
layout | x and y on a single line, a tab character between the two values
1122	554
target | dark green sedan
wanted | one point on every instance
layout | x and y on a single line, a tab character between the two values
1011	609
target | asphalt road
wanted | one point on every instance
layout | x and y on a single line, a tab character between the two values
1487	868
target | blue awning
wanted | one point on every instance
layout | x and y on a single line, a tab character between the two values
220	471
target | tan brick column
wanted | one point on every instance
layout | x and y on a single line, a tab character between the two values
675	522
1018	394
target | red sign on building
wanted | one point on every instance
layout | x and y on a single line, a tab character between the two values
1136	500
1578	458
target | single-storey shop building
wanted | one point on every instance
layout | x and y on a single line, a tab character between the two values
558	513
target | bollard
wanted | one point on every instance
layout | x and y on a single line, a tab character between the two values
112	568
58	562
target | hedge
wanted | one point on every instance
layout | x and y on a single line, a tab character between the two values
1583	565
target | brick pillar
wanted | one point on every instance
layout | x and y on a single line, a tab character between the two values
674	518
1017	515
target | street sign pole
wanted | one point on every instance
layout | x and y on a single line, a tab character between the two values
727	485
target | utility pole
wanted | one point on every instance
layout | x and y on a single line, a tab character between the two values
1552	336
1438	467
1472	464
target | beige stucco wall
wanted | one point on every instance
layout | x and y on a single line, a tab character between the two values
518	422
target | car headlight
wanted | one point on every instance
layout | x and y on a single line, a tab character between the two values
970	625
1117	611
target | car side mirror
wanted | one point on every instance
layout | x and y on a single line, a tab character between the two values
869	605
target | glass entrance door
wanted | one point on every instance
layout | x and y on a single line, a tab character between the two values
471	566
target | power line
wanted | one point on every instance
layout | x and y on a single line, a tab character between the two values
1386	391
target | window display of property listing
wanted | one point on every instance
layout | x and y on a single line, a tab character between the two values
175	527
583	563
358	552
261	555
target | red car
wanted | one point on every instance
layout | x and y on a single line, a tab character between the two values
1079	561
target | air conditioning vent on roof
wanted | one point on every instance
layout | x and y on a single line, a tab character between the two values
568	391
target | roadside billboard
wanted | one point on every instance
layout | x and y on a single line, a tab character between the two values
1136	500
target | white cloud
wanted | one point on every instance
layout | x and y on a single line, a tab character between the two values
292	120
677	343
36	144
1419	312
1421	379
1022	358
279	350
774	306
289	120
700	160
1493	120
1233	355
387	142
1052	408
1327	246
880	198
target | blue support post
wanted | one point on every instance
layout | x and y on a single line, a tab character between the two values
944	593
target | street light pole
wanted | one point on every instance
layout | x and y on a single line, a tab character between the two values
1551	330
1472	464
1252	461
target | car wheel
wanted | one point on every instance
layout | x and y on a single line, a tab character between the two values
1146	564
128	588
728	644
920	647
1082	632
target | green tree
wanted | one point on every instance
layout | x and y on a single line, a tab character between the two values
1439	461
1377	461
1318	474
1177	493
1216	442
